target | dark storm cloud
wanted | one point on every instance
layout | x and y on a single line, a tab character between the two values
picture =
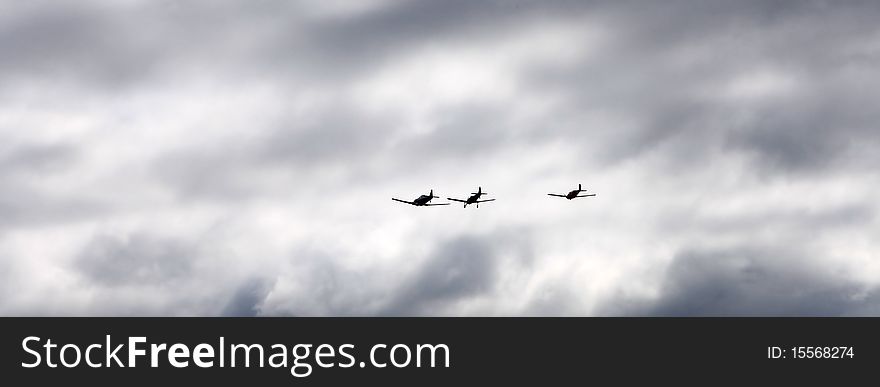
750	281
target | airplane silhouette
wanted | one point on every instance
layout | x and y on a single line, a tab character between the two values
573	194
474	198
422	200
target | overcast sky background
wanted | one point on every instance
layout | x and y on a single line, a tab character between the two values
204	158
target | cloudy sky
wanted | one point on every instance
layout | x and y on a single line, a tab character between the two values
207	158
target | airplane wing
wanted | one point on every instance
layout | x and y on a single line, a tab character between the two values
436	204
402	201
458	200
562	196
483	201
583	196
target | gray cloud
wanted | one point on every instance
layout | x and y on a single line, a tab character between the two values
672	70
456	270
137	259
35	158
86	43
237	158
99	44
747	281
245	302
806	135
24	200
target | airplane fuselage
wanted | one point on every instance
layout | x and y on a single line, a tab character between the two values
473	198
572	194
422	200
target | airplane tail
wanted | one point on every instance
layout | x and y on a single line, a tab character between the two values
479	192
431	194
579	187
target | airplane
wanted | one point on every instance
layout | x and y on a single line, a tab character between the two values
474	199
573	194
422	200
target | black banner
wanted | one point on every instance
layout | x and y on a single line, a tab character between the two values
332	351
